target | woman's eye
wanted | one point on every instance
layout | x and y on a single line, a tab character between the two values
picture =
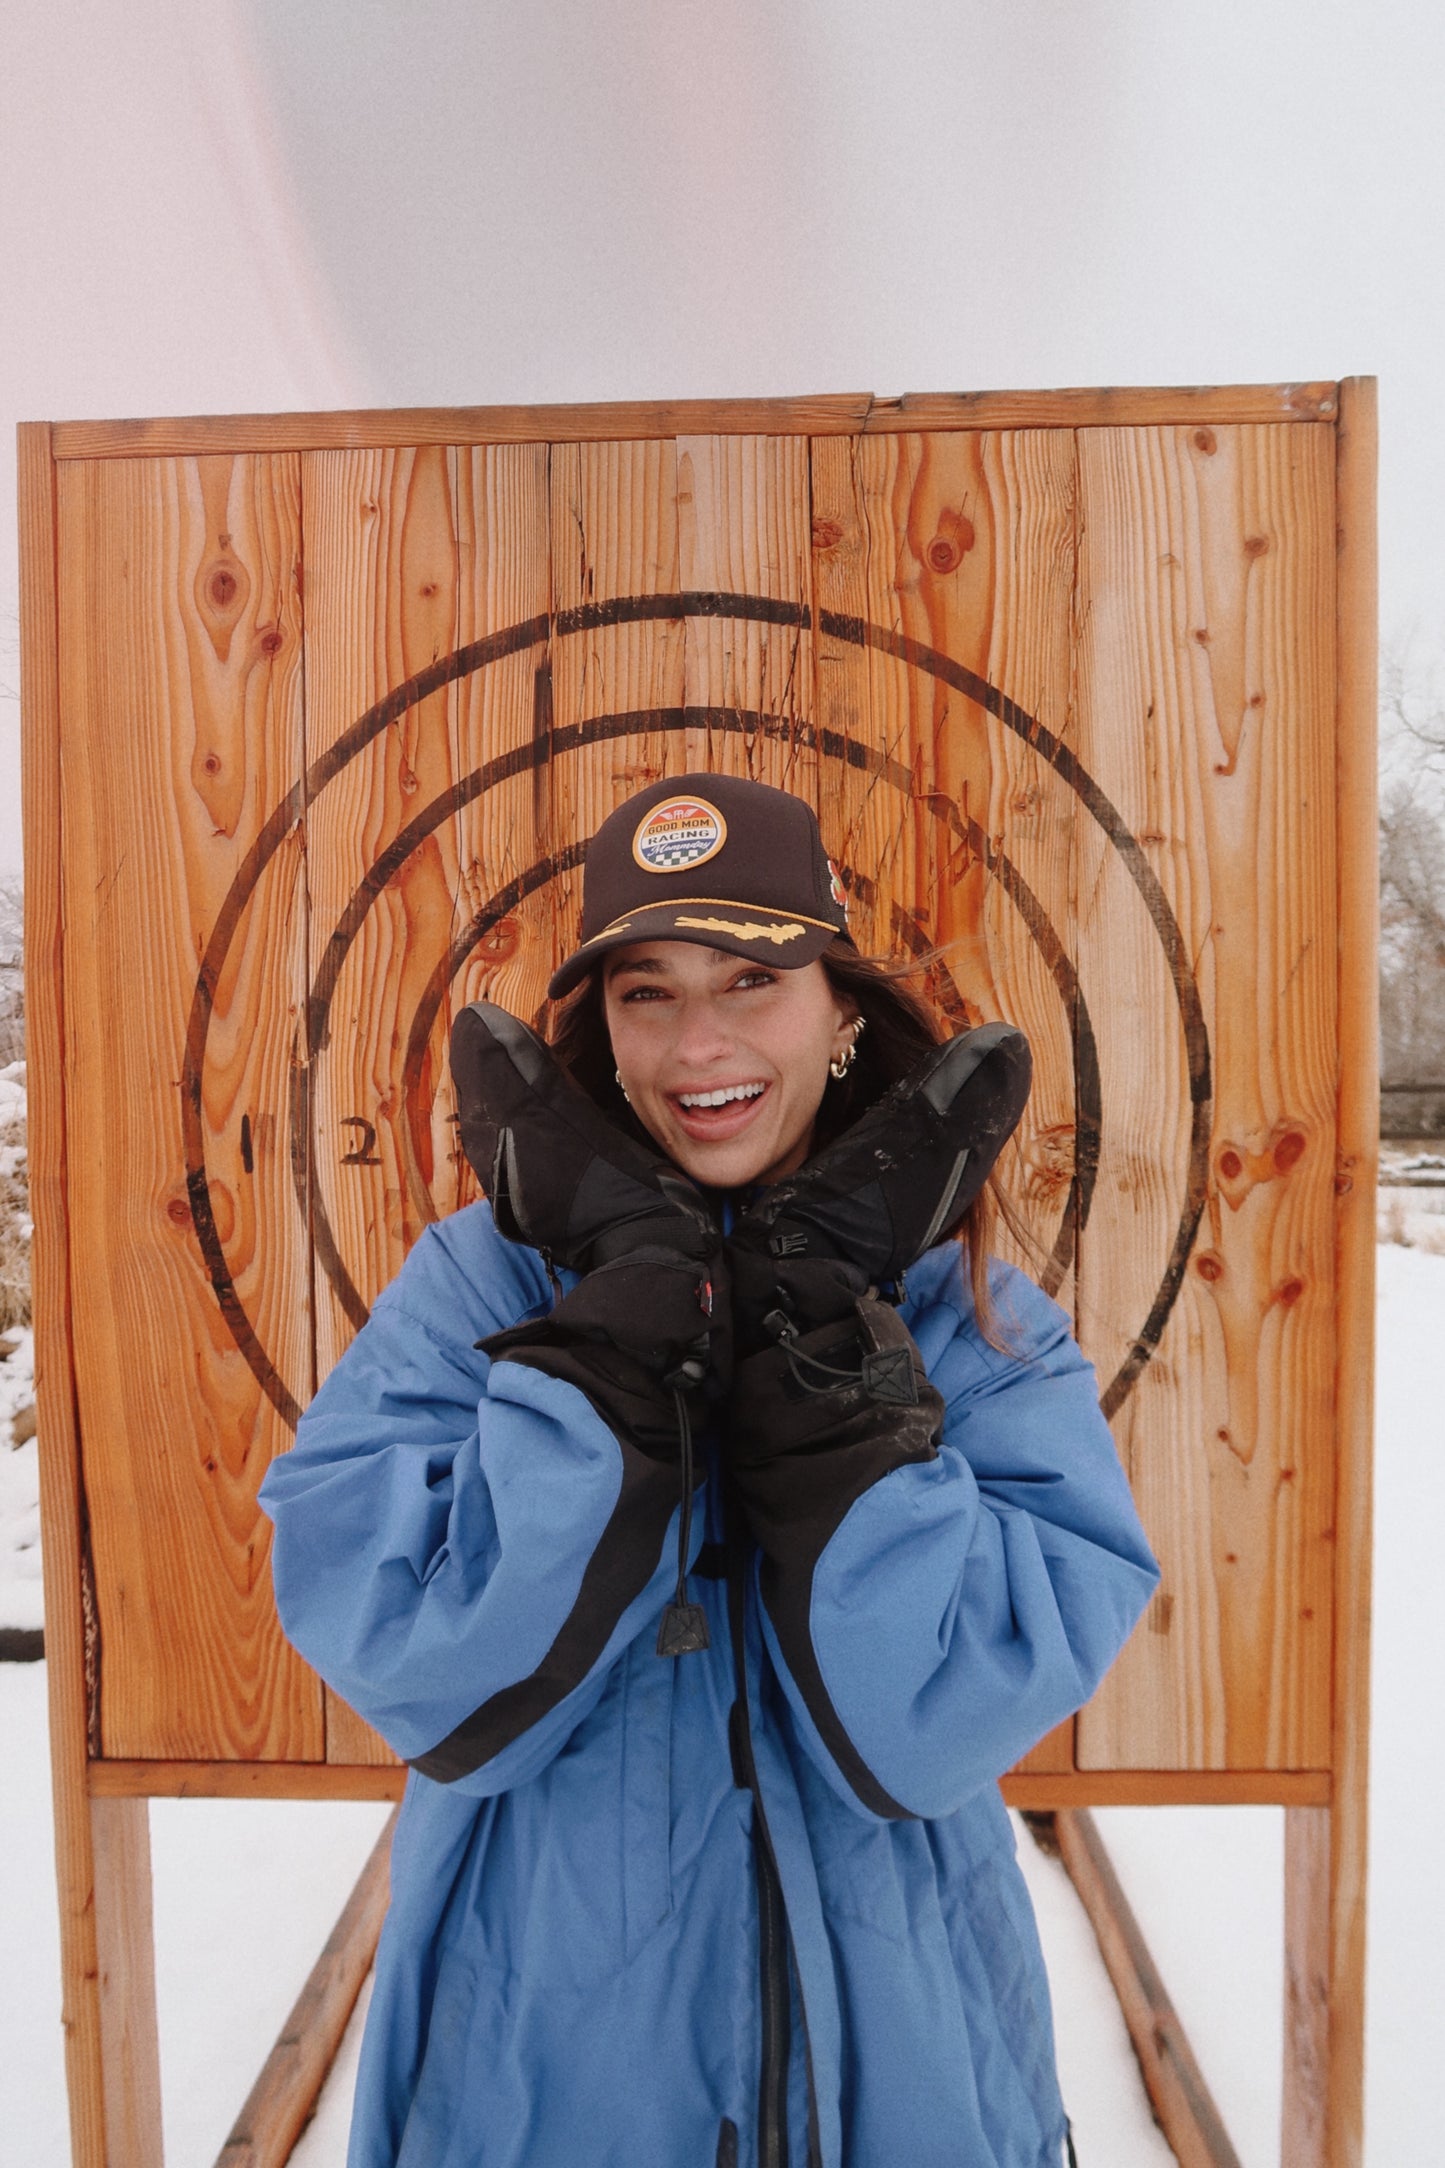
756	978
643	993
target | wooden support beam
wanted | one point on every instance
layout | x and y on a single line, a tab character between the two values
1040	1791
826	414
1324	2094
69	1645
282	2100
1304	2141
273	1780
1183	2105
125	1955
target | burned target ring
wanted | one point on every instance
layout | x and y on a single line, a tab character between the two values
547	748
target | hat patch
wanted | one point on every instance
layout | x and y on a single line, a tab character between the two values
838	891
680	832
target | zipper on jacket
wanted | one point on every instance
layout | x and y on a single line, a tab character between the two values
772	1917
774	1933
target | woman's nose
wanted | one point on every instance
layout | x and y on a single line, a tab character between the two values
702	1034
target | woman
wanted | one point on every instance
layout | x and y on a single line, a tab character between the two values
710	1540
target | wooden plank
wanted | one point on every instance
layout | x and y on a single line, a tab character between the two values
1110	406
1359	1129
962	548
281	2102
180	685
838	413
501	929
125	1959
742	529
1206	719
381	577
1308	2004
1021	1787
1168	1788
613	536
461	559
1053	1756
246	1780
1183	2106
62	1510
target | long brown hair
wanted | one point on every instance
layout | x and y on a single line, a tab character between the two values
900	1027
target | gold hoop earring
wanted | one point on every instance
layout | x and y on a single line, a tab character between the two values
849	1055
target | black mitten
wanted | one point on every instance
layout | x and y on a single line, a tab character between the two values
646	1328
816	1420
855	1390
885	1191
830	1393
633	1336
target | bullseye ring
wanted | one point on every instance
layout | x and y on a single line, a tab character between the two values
557	743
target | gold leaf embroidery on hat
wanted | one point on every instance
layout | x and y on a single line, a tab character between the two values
747	930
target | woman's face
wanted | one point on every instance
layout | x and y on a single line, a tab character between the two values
689	1023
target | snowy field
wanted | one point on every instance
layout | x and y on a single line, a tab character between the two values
246	1891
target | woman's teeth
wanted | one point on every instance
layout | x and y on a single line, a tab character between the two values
720	1098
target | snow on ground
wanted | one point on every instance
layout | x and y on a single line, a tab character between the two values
1410	1200
247	1891
20	1593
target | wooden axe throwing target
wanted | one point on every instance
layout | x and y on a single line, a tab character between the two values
320	712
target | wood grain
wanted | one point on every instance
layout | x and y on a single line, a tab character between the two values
61	1483
1022	1787
283	2099
1308	2000
1168	1788
245	1780
1184	2107
381	580
498	835
1356	789
125	1959
180	686
613	534
1053	1756
963	545
838	413
460	556
1205	715
742	518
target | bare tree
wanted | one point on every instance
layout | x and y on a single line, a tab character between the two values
12	972
1412	900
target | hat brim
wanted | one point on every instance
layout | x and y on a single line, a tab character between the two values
787	939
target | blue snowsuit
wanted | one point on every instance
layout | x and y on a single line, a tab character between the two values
641	1918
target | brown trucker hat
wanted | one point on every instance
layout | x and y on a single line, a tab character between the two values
714	859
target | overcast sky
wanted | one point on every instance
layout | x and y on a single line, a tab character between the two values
253	204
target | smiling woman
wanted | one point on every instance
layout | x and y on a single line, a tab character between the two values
756	1904
724	1062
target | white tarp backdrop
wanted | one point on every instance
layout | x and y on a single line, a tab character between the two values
255	205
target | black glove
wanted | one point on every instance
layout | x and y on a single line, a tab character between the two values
830	1392
884	1192
818	1419
646	1327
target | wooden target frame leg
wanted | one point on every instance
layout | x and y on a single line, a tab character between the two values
1306	1984
1324	1989
1183	2105
126	1973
